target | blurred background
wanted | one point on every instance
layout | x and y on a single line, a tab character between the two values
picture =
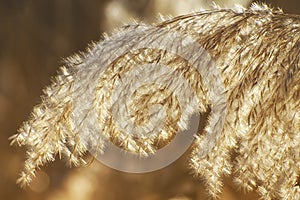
34	38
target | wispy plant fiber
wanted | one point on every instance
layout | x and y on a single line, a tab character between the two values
257	51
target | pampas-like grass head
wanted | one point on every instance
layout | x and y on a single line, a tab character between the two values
257	53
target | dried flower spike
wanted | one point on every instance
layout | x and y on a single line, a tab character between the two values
257	51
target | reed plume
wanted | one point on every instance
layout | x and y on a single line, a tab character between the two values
253	131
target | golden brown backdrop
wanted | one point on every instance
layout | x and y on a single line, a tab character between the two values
34	37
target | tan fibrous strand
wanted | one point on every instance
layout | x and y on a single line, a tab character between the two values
257	52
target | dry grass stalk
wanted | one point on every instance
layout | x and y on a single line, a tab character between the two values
258	53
